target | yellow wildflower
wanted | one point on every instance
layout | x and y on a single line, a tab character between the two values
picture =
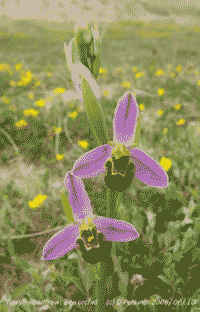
38	200
198	82
172	75
84	144
161	91
160	112
59	90
178	68
196	72
73	115
166	163
180	122
19	83
31	95
159	72
50	133
71	104
106	92
60	156
142	107
169	66
21	123
12	83
177	106
49	74
40	103
126	84
4	67
57	130
119	69
26	78
102	70
140	74
18	66
37	83
6	100
31	112
165	130
134	69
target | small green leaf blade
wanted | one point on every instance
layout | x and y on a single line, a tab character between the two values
66	206
95	113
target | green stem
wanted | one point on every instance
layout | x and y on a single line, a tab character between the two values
111	203
101	288
57	136
10	140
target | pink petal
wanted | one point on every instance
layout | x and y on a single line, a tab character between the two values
78	197
125	119
115	230
148	170
61	243
91	163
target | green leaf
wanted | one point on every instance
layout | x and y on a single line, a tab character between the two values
75	52
137	133
20	291
87	33
95	64
188	238
3	307
164	279
66	206
18	261
95	113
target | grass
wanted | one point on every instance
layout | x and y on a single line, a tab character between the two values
135	56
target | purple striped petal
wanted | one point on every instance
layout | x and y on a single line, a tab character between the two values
125	119
61	243
115	230
78	197
91	163
148	170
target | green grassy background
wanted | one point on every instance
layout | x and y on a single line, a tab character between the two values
148	47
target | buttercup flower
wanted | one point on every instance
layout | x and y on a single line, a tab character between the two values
177	106
180	122
126	84
166	163
60	156
73	115
161	91
57	130
88	229
31	112
21	123
84	144
38	200
31	95
40	103
119	159
102	70
142	107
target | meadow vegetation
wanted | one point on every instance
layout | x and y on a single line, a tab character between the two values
41	136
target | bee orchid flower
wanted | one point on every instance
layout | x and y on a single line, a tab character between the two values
88	230
121	159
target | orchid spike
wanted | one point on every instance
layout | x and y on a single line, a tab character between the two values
121	159
87	227
77	69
